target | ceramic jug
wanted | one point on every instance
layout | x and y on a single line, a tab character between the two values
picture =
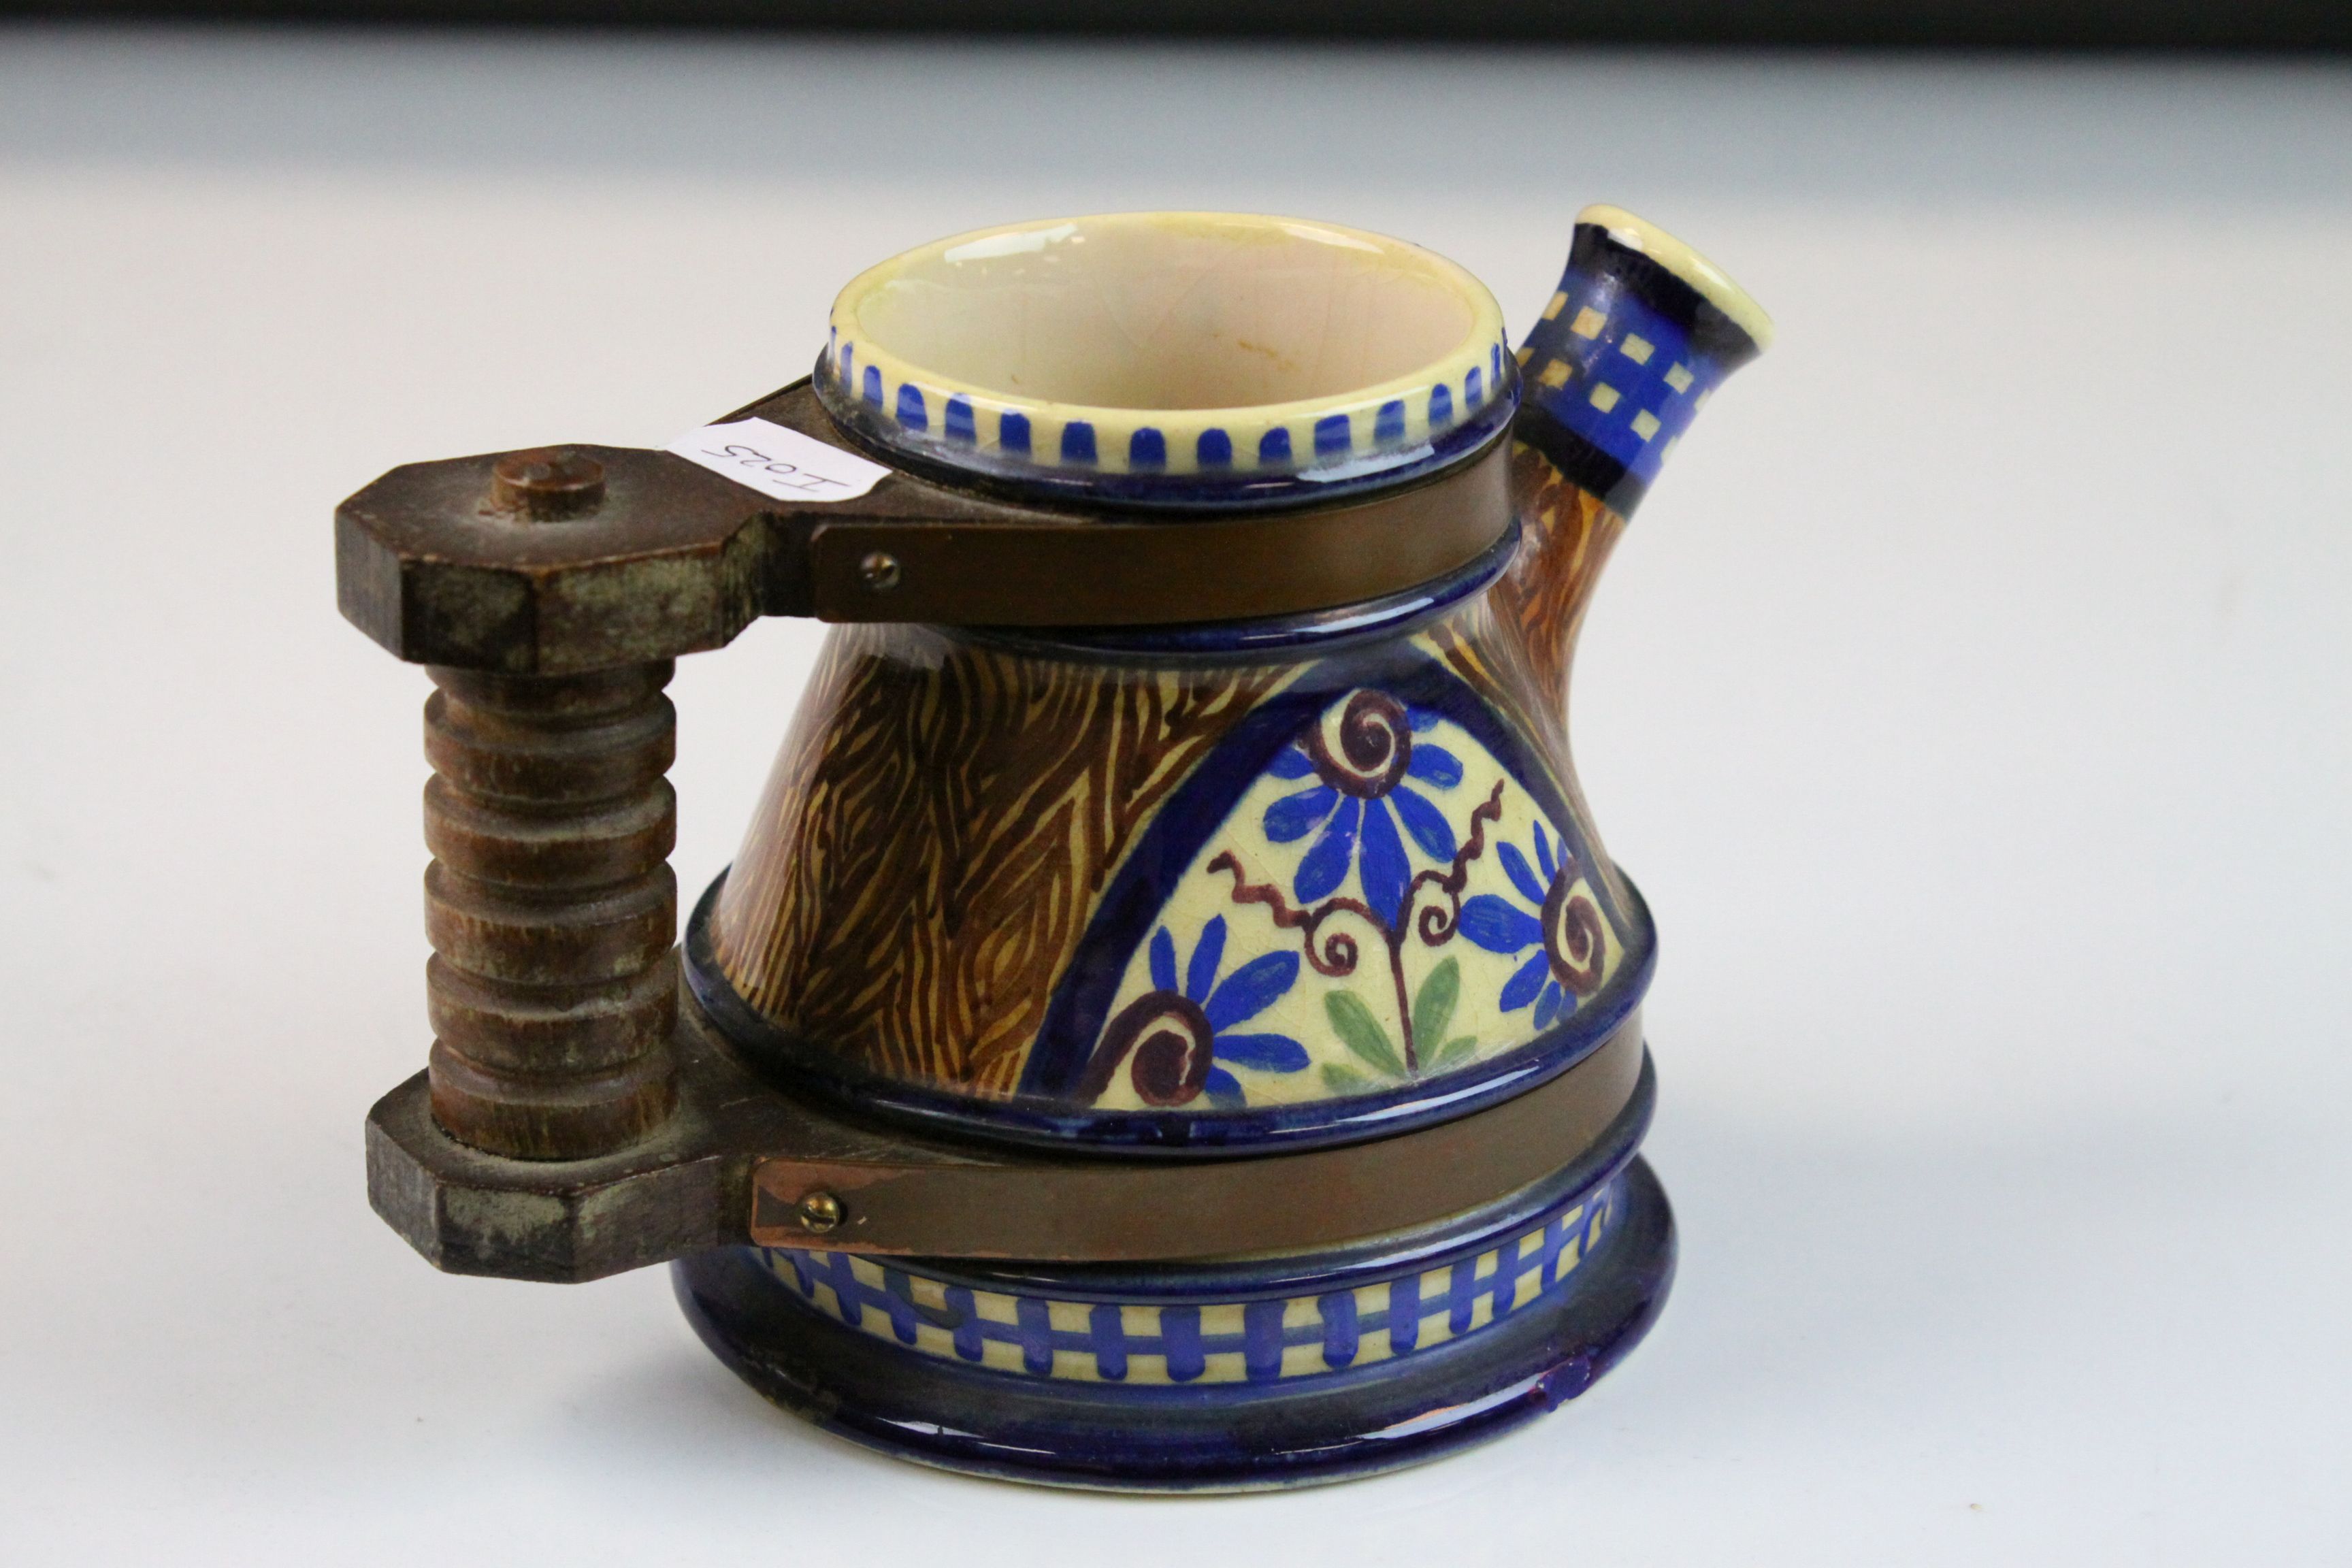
1214	890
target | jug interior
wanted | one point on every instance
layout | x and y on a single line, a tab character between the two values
1177	311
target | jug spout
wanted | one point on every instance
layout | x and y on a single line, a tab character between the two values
1640	332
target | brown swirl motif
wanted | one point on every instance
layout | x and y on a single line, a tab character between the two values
1171	1044
1375	743
1334	954
1572	935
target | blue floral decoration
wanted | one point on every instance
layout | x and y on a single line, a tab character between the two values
1355	818
1499	925
1237	998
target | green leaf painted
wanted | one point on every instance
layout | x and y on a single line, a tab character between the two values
1361	1032
1344	1080
1458	1049
1432	1009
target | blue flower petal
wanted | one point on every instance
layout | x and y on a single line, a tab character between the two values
1291	763
1224	1090
1163	961
1420	719
1522	877
1434	765
1424	821
1543	855
1267	1053
1548	1006
1250	989
1294	816
1201	972
1326	865
1383	867
1499	925
1521	988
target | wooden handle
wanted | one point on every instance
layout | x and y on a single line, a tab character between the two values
552	908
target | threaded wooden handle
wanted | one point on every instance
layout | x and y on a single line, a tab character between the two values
551	907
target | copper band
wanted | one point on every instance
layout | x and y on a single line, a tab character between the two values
1043	1208
1041	569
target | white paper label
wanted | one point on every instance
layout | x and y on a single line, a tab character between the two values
778	462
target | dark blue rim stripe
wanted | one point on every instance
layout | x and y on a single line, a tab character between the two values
1580	462
1593	256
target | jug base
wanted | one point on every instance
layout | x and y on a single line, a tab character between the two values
1274	1392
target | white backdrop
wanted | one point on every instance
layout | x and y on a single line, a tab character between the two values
1970	701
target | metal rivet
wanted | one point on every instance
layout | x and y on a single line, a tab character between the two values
548	484
880	570
821	1211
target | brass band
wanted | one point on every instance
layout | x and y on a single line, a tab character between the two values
1042	570
1044	1208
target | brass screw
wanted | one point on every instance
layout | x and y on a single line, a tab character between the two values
880	570
548	484
821	1211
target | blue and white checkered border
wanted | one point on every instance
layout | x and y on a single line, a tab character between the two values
1142	1342
1336	436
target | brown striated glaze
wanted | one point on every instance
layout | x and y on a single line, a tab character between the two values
939	823
1544	592
1565	535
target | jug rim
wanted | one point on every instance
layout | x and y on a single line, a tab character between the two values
1171	358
